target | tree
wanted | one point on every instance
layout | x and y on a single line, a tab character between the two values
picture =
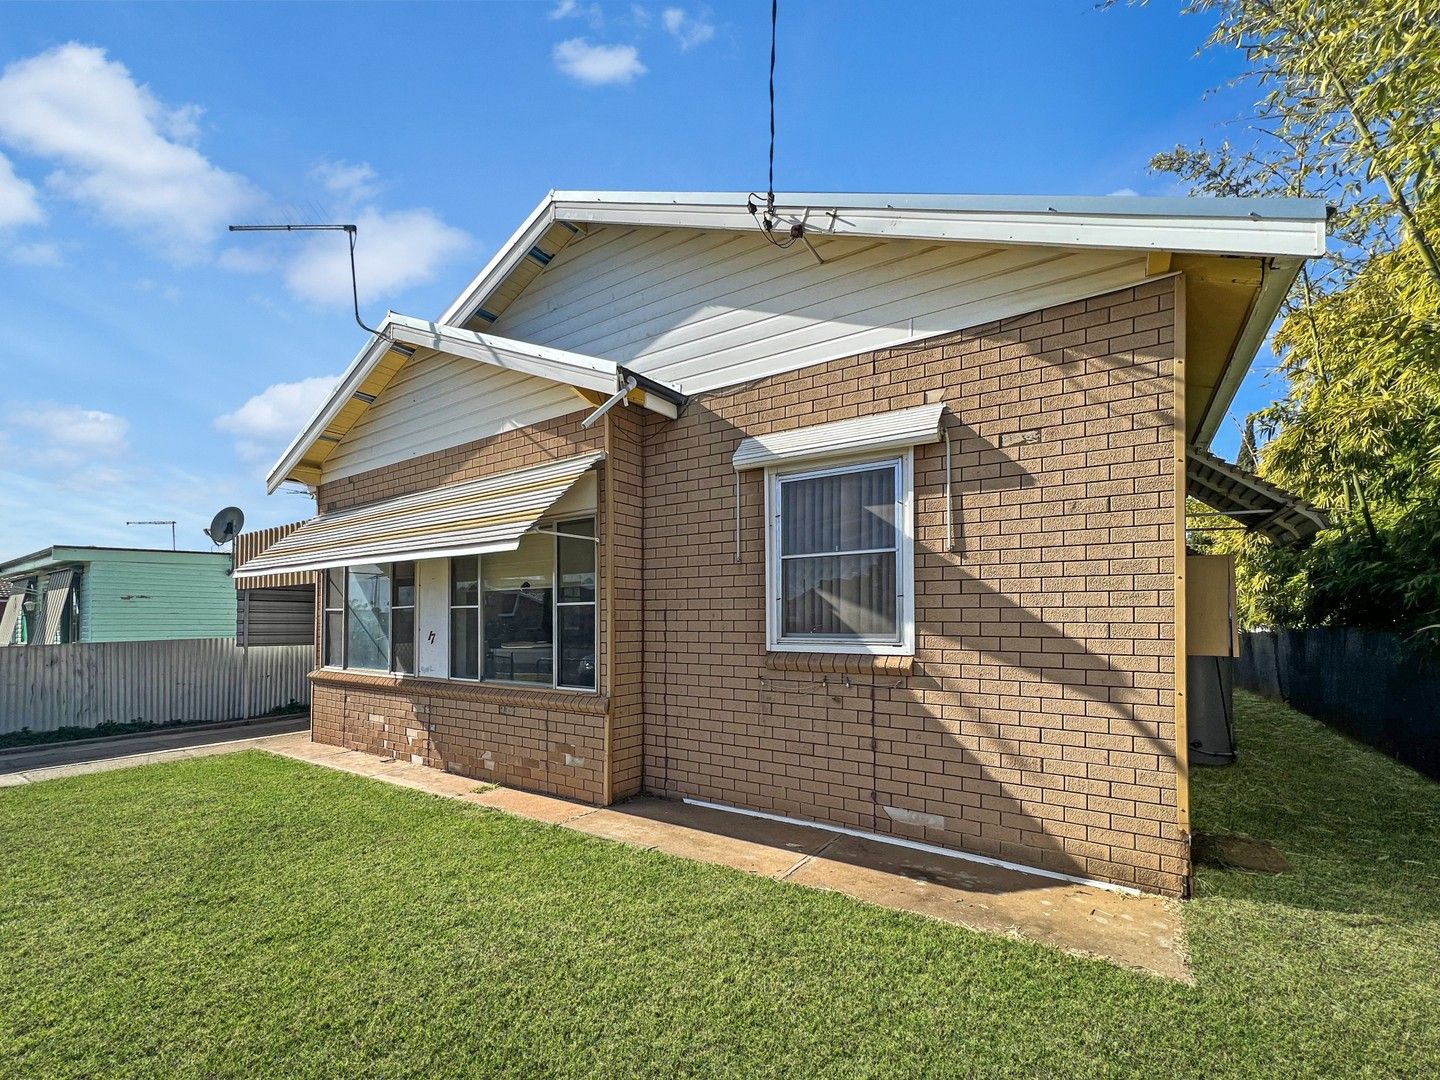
1350	111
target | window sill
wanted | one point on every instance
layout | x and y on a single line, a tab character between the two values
840	663
539	697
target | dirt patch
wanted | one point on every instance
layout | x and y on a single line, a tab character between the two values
1238	853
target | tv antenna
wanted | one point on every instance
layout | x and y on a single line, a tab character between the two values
350	231
164	521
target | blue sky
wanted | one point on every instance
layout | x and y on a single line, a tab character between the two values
156	365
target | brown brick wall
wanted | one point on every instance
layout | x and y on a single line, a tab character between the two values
1037	721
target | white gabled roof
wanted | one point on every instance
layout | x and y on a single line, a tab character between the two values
879	431
401	335
1285	227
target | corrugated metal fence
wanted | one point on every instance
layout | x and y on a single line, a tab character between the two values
1370	685
158	682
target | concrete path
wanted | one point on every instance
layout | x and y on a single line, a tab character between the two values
31	765
1145	933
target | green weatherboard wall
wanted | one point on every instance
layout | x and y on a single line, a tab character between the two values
150	595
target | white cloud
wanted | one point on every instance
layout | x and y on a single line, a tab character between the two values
40	253
349	181
118	149
598	65
68	436
18	202
573	9
1124	191
640	15
267	422
395	249
688	30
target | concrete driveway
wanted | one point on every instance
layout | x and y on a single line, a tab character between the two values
33	764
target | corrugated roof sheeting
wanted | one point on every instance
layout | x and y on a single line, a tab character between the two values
1258	505
469	518
881	431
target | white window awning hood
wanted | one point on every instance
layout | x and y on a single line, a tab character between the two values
879	432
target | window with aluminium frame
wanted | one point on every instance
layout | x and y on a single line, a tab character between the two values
369	617
840	565
529	616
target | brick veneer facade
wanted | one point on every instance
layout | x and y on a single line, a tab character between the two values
1036	721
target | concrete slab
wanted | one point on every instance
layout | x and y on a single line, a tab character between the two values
529	805
1141	932
713	836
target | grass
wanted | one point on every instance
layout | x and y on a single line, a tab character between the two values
248	916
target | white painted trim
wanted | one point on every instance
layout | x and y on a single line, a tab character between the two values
920	845
1127	225
904	463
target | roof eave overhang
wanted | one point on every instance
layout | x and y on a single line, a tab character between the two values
1253	227
406	334
1278	276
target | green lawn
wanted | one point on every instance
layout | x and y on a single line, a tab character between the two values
252	916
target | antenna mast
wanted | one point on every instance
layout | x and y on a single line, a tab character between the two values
349	230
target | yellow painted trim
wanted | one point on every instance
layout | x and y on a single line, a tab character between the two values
1180	441
1157	262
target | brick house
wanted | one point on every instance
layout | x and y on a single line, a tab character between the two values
878	526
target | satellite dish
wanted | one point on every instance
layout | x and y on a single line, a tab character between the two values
226	525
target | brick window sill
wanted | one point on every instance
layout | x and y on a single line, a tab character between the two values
570	701
840	663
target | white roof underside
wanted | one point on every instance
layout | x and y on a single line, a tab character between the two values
880	431
470	518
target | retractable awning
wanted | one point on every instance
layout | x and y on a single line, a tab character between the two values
1259	506
10	617
880	431
57	600
470	518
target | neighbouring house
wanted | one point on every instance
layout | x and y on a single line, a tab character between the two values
272	609
876	520
68	594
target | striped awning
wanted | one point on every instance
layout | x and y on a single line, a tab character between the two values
10	617
57	603
879	431
469	518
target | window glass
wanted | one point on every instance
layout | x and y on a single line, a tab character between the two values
850	511
577	645
839	595
402	618
576	565
838	555
334	607
464	643
367	636
518	612
465	580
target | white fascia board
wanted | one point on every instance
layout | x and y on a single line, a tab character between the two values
899	429
500	265
1277	277
557	365
1124	226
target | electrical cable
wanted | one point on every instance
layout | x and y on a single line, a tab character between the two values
769	220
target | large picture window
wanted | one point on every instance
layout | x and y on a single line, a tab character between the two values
528	615
840	577
370	617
